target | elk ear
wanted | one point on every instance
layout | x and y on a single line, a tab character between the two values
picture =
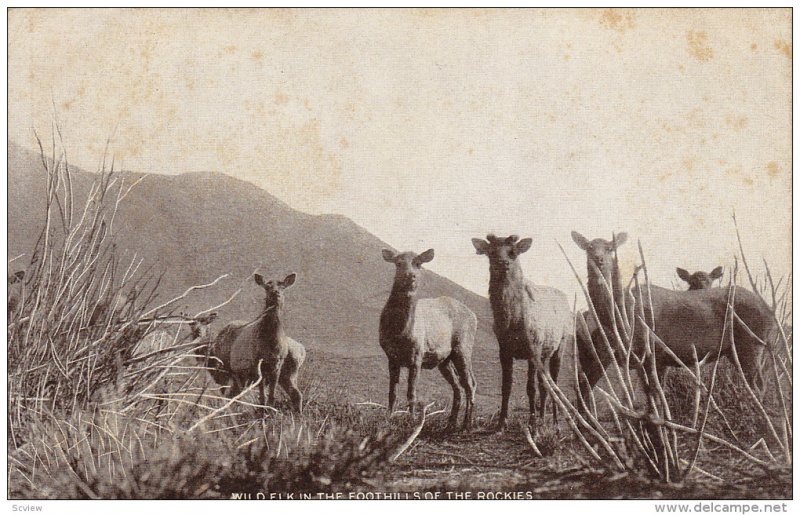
481	246
259	279
289	280
425	257
20	275
388	255
580	241
716	273
523	245
683	274
619	239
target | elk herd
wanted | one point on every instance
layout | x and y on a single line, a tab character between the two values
532	323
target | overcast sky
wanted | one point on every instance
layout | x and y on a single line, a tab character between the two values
432	127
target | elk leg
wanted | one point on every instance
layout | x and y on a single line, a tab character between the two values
394	378
590	371
463	367
261	400
288	381
542	387
413	372
555	368
507	364
234	389
531	389
750	353
448	371
272	376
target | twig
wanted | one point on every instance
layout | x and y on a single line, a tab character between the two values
529	438
417	430
185	294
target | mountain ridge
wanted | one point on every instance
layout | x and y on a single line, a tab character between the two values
198	226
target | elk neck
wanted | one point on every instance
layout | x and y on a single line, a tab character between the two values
598	291
270	326
506	294
398	314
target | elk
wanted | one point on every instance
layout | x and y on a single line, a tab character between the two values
700	280
205	355
531	322
689	323
427	333
241	346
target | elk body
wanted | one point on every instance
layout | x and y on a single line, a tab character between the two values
700	280
690	323
241	346
531	322
427	333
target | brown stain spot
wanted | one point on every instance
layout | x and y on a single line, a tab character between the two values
736	122
688	164
753	47
471	151
698	46
733	171
229	49
695	119
737	172
257	56
566	57
281	98
664	176
681	68
307	104
773	169
66	106
343	143
784	47
619	20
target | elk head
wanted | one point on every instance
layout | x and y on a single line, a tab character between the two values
408	267
274	289
700	280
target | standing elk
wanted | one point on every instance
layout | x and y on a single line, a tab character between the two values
241	346
700	280
689	323
427	333
531	322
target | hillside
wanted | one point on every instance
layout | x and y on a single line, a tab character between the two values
196	227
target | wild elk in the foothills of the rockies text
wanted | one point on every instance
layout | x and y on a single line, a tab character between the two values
426	333
689	323
531	322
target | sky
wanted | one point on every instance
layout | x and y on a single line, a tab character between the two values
430	127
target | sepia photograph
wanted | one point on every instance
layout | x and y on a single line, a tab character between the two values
362	254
